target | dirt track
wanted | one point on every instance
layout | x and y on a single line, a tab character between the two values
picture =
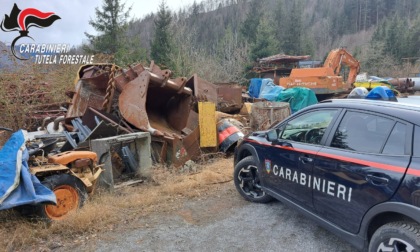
219	220
173	212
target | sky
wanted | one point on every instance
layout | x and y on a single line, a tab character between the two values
75	16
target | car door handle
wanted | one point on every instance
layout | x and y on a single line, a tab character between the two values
305	160
376	180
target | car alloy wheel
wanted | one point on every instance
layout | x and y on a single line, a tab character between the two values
247	181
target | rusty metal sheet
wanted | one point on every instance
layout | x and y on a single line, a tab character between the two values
126	76
153	102
177	151
402	84
192	122
202	89
90	89
192	144
192	138
226	96
229	97
147	99
96	76
89	120
132	101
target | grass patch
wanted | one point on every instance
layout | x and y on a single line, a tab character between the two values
163	192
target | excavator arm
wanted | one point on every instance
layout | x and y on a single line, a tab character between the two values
325	80
340	56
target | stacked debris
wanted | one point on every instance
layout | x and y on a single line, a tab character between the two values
401	85
133	117
109	101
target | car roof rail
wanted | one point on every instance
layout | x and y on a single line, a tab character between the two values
325	101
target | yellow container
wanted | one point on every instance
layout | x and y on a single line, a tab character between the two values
207	124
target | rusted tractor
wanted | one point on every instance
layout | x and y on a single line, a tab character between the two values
70	175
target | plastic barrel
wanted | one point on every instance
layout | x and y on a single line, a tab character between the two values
228	135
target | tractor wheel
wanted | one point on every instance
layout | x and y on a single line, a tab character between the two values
70	193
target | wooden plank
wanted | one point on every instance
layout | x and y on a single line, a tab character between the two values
128	183
207	124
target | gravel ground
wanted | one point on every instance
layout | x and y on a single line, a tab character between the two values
221	222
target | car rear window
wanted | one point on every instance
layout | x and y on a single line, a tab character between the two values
362	132
416	142
396	141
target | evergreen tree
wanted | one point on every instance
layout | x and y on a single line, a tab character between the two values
414	38
195	11
130	51
266	44
279	24
307	47
161	45
293	34
249	27
111	24
396	38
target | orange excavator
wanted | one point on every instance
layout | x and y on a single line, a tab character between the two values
325	81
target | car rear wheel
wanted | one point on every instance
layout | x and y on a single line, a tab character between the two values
396	236
70	193
247	181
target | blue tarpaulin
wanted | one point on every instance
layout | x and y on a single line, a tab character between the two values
297	97
269	90
17	185
255	87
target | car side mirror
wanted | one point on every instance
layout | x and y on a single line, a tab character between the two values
272	135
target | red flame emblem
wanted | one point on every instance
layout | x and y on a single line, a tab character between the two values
22	20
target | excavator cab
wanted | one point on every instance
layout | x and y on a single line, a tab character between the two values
326	80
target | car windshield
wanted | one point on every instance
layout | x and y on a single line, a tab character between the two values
298	128
317	120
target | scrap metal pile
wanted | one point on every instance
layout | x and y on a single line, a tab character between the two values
117	123
402	85
109	101
137	116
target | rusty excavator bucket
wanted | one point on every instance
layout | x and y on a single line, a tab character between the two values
90	89
146	97
143	98
153	102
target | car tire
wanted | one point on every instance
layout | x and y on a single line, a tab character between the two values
70	193
396	236
247	181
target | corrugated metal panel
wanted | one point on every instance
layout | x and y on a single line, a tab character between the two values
207	123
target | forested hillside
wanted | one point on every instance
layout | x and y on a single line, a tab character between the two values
221	39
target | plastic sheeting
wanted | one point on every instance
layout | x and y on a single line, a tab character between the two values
381	93
298	98
17	185
255	87
269	90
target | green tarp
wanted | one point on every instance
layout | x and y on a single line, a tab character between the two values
297	97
